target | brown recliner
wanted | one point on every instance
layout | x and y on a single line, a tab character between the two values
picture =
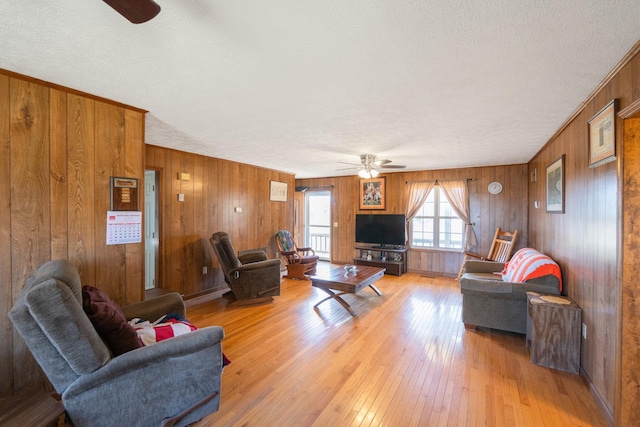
252	277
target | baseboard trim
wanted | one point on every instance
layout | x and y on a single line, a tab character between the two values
210	296
604	409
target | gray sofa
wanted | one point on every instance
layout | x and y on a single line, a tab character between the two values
141	387
489	302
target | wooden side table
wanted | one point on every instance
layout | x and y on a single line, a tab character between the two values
553	331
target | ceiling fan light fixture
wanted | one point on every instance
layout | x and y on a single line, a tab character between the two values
364	174
373	173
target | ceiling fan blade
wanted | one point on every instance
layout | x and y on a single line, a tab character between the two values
136	11
352	164
381	162
351	168
392	166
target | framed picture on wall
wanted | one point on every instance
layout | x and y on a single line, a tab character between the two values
555	186
278	191
124	194
602	135
372	193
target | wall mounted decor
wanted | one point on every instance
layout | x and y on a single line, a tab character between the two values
124	194
372	193
555	186
602	135
278	191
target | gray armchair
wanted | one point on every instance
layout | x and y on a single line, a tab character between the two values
489	302
173	382
252	277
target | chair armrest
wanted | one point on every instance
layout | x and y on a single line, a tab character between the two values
536	287
133	370
252	257
154	308
307	250
475	284
269	263
472	266
142	383
476	256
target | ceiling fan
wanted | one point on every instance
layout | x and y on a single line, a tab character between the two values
136	11
369	166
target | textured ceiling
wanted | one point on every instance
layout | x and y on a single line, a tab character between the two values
301	85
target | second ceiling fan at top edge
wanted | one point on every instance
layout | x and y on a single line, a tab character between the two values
136	11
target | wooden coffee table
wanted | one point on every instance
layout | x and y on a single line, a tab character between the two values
331	278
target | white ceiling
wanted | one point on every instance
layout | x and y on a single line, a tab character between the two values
300	85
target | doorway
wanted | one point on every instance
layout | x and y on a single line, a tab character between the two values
318	222
151	237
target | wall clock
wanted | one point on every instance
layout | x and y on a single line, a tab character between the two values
495	187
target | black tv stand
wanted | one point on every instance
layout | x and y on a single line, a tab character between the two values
386	247
394	266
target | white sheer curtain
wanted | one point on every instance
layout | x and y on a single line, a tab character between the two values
418	193
458	195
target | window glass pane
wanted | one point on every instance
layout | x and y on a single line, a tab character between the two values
450	233
429	205
437	228
422	232
445	207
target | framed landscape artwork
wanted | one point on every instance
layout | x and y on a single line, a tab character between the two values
372	193
602	135
555	186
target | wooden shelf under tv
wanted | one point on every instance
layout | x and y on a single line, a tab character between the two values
397	268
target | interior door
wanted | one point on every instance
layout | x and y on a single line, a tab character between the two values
150	228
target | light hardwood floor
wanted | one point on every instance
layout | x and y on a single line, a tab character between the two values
405	360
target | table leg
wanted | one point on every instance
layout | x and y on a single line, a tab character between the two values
335	296
376	290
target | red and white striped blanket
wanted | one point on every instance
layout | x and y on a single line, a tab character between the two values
528	264
164	328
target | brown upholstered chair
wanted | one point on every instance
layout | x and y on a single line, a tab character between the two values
252	277
500	251
301	262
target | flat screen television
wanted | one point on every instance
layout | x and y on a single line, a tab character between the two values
383	229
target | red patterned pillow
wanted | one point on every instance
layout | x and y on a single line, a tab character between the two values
109	320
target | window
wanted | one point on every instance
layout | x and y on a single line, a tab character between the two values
436	224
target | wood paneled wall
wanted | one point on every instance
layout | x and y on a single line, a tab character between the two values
216	187
58	150
587	238
507	210
630	322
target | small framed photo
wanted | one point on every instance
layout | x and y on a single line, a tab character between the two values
602	135
278	191
372	193
555	186
124	194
